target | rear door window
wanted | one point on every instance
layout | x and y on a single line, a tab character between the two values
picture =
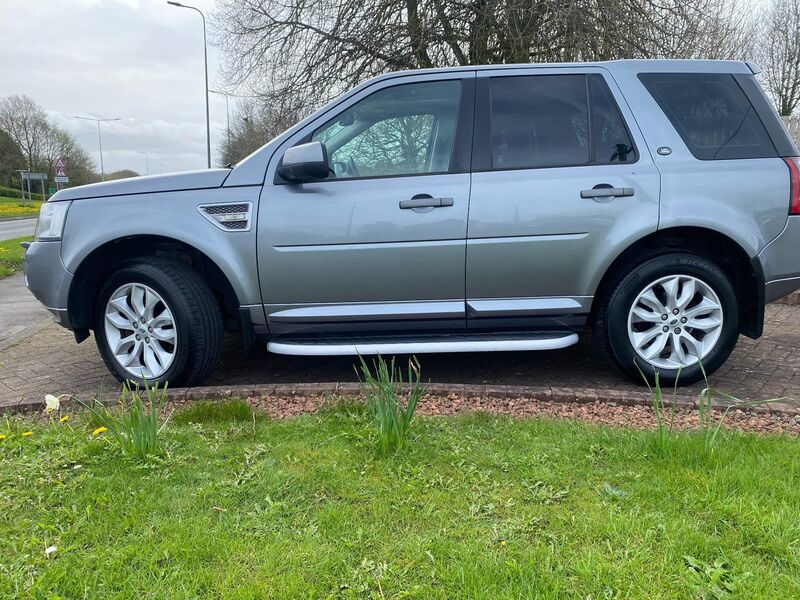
545	121
539	121
711	113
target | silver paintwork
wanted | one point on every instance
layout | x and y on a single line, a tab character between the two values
779	260
172	182
443	345
311	152
140	330
675	321
370	311
515	246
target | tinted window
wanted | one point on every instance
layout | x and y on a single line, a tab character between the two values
711	113
611	142
402	130
539	121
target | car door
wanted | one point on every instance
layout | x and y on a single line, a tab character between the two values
562	183
379	245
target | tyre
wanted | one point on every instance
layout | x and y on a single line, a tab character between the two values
675	314
157	321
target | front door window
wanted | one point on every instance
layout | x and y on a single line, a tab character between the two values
403	130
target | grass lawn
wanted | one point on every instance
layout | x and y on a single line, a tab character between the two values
473	507
11	256
15	207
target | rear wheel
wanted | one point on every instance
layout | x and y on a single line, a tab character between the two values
157	321
675	314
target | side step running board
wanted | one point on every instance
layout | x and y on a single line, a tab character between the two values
423	346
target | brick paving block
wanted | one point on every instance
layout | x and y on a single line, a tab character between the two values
263	390
285	389
348	389
496	391
474	391
314	389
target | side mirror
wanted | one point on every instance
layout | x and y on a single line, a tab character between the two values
306	162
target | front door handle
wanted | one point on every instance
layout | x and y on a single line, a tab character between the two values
606	191
425	201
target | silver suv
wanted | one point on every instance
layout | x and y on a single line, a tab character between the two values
451	210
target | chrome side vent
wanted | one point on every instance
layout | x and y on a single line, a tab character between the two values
228	216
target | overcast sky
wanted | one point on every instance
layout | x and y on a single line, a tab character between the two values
140	60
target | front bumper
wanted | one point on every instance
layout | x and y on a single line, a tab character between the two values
48	279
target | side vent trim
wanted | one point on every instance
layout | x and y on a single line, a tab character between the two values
228	216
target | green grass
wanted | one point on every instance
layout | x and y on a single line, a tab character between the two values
15	207
11	256
210	412
472	507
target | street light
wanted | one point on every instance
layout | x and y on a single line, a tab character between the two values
22	183
100	139
227	113
146	161
205	58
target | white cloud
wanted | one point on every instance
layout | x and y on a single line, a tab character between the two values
140	60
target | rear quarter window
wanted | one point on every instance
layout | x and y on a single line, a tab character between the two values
712	115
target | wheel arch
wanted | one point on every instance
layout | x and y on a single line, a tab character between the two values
103	260
745	272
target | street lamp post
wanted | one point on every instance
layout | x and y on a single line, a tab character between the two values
22	182
227	113
99	140
205	60
146	162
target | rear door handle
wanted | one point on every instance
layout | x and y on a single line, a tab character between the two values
425	201
606	192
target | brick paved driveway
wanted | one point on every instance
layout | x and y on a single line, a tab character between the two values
48	360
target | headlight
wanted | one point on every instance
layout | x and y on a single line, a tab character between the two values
51	221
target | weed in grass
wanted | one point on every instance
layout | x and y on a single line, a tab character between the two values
236	410
383	390
544	493
612	493
134	426
710	580
710	425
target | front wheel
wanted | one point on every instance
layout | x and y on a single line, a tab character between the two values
675	314
157	321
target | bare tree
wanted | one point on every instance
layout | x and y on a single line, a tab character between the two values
778	52
42	142
252	125
26	123
310	50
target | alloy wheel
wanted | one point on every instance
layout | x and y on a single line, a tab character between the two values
675	322
140	330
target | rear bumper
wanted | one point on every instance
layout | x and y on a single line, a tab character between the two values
780	260
48	279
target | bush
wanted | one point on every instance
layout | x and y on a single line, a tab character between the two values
10	192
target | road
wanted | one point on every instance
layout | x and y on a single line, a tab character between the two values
15	228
